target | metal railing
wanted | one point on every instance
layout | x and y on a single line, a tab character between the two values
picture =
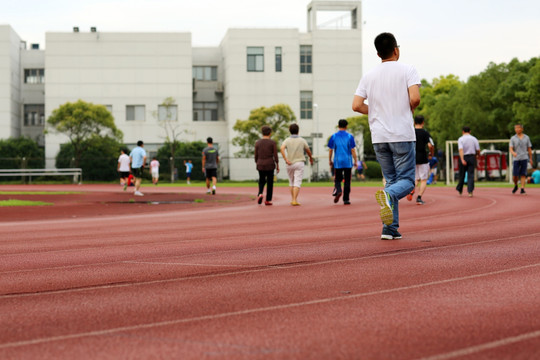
75	172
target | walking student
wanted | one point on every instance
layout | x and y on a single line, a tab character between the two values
423	139
267	161
154	170
138	159
123	168
292	150
210	161
521	149
343	147
189	168
392	89
469	149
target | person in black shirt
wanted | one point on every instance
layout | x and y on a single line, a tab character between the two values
423	140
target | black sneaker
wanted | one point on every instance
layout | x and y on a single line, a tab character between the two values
514	189
388	234
522	192
336	197
346	202
419	201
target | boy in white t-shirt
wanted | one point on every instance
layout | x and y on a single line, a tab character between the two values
123	168
154	169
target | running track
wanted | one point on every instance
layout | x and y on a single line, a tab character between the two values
254	282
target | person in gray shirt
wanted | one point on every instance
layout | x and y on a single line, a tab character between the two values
521	149
210	161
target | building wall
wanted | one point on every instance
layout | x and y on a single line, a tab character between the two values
10	81
32	94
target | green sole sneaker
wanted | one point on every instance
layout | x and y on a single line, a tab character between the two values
386	209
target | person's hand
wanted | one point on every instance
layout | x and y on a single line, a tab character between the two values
463	162
288	162
277	170
331	163
311	161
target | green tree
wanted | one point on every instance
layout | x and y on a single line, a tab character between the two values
278	117
360	125
80	121
183	151
21	152
167	117
99	161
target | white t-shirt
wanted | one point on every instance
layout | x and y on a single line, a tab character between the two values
154	166
386	89
124	163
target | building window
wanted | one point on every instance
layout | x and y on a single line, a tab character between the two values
255	58
306	105
205	111
34	115
135	112
167	113
278	58
34	76
109	108
205	73
305	59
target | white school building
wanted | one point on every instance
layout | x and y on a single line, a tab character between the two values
315	73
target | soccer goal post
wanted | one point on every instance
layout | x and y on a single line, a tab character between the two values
491	161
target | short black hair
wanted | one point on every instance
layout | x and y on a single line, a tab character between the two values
140	143
419	119
209	140
342	123
466	129
385	43
294	129
266	130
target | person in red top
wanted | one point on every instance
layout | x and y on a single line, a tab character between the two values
267	161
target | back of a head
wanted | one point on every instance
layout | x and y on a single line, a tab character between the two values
385	44
466	129
140	143
342	124
294	129
266	130
419	120
209	140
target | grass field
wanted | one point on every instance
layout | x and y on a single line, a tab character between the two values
15	202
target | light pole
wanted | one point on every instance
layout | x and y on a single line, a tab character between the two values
315	143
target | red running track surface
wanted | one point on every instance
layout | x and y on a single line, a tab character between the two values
244	281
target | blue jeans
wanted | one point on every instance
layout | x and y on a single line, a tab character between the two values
398	163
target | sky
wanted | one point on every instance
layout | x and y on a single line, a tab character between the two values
438	37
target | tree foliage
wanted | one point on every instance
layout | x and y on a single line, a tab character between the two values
81	121
22	152
183	151
278	117
99	161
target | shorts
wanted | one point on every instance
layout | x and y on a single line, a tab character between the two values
155	173
434	170
520	168
422	171
296	173
137	172
124	174
188	174
359	171
211	173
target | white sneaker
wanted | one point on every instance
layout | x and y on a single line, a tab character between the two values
208	191
138	193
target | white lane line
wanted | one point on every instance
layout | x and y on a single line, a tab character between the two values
257	310
486	346
268	267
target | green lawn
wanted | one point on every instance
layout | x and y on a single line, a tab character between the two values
15	202
39	192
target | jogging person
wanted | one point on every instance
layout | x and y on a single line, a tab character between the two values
520	147
292	150
469	149
138	159
267	160
123	168
423	139
343	147
392	90
210	161
154	170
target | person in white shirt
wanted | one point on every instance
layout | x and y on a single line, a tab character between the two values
469	149
154	169
392	90
123	168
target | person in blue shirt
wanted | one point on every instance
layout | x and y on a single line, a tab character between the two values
343	147
189	168
535	177
138	159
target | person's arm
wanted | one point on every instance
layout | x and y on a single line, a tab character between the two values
118	167
217	159
276	158
330	152
256	152
308	152
530	156
514	154
414	97
462	157
282	150
353	152
359	105
363	163
203	162
431	149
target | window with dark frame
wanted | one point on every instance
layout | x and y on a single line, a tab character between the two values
34	115
306	105
306	59
205	111
34	76
135	112
205	73
255	58
278	58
